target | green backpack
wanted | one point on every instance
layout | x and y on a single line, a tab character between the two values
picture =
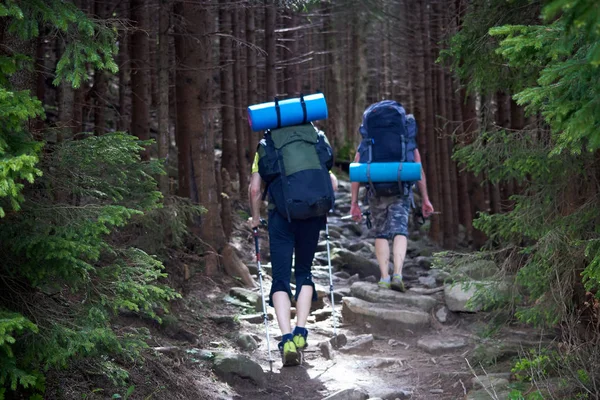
295	161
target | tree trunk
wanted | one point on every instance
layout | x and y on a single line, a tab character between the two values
336	127
238	98
195	114
271	73
226	211
360	72
252	74
100	82
64	101
124	122
182	130
291	69
163	89
464	200
229	157
431	167
140	81
475	188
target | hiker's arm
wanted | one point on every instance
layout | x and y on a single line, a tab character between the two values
254	196
334	181
354	208
355	185
422	185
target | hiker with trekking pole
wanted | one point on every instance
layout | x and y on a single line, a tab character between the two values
293	161
388	163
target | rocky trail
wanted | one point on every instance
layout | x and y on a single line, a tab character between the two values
389	345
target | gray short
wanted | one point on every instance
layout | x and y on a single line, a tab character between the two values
390	215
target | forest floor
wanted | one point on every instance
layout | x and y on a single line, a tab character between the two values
399	345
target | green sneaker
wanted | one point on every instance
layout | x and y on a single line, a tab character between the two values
397	283
299	341
290	355
384	284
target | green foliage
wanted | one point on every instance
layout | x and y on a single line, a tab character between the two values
65	254
550	63
68	266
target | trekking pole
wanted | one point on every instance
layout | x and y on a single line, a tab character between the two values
367	215
262	293
330	280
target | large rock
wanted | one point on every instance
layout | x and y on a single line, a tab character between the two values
490	381
246	295
354	228
355	264
229	365
483	394
349	394
374	294
441	345
359	344
246	342
235	267
266	269
384	317
479	269
457	298
392	394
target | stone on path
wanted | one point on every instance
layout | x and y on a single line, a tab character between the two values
479	269
338	294
349	394
245	295
442	314
326	350
355	264
380	362
246	342
383	316
255	318
338	341
342	274
392	394
490	381
228	365
440	345
456	298
374	294
322	315
482	394
359	344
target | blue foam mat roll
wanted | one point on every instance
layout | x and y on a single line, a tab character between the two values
264	116
386	172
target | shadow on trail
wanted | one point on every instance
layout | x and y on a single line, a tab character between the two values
284	383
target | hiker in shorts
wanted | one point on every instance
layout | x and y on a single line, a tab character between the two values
293	162
389	135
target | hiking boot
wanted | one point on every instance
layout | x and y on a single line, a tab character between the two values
384	283
299	339
290	355
397	283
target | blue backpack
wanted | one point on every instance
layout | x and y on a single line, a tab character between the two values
388	135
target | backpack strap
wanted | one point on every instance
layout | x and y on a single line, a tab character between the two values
303	104
278	111
371	186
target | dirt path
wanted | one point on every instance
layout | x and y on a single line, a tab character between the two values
409	345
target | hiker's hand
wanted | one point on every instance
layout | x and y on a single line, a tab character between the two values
334	182
253	222
427	209
355	212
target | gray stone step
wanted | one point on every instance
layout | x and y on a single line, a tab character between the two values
371	292
383	317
